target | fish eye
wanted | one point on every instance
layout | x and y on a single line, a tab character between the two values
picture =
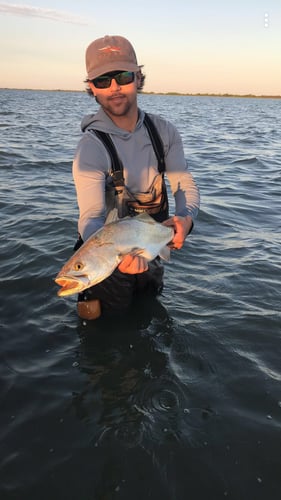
78	266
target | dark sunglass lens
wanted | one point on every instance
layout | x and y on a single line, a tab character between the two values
125	77
122	78
102	82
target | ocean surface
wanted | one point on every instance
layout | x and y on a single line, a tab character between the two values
180	399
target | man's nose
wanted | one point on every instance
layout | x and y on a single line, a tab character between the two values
114	84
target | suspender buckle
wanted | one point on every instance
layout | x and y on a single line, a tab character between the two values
117	177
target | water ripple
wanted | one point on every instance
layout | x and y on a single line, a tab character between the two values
185	386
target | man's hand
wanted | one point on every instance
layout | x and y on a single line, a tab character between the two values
182	227
133	264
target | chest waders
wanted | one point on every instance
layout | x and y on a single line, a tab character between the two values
155	200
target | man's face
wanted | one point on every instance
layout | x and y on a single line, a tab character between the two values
118	99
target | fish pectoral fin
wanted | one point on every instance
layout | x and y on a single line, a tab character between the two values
137	251
165	253
134	251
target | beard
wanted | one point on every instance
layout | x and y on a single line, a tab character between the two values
118	105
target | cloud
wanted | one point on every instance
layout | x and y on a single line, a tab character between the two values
30	11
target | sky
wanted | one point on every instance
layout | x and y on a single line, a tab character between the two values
186	46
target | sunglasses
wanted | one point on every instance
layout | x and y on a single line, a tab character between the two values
121	77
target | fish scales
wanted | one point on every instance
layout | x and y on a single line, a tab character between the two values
99	256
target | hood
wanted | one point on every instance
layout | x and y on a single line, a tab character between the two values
101	121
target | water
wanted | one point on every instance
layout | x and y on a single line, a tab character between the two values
180	399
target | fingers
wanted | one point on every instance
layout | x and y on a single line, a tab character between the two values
133	264
182	227
179	234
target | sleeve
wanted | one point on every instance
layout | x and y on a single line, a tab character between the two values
90	168
182	183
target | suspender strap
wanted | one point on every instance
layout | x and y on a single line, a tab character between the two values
156	142
117	167
116	164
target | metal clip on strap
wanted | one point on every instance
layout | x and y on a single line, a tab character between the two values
116	164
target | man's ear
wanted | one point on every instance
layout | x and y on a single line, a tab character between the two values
139	79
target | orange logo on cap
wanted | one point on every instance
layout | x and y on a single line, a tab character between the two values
108	49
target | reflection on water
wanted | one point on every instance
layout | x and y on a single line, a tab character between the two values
134	404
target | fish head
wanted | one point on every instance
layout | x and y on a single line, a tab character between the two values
80	273
74	277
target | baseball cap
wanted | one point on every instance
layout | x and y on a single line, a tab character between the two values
110	53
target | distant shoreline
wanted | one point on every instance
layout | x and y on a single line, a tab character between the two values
216	95
198	94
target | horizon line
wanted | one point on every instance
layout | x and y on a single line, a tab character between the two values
191	94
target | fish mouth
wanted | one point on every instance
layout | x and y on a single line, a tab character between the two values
69	286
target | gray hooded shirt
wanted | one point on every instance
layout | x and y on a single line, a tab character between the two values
92	167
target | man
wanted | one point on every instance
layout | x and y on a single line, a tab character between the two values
114	79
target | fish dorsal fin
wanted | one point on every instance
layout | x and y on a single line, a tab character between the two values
112	216
144	217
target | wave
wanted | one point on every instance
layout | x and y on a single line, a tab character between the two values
188	378
248	161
